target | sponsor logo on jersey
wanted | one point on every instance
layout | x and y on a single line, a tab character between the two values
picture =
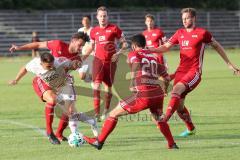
154	34
97	33
101	38
108	31
185	43
59	52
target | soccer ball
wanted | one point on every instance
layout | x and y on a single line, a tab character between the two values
76	139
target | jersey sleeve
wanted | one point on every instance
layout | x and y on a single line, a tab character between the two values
31	66
174	39
207	38
132	58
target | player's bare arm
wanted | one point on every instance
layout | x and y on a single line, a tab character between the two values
22	72
29	46
220	50
124	45
89	50
163	48
75	64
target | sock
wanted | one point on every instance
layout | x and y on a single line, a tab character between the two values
73	125
107	128
84	118
49	113
63	123
164	128
185	116
108	97
96	100
172	106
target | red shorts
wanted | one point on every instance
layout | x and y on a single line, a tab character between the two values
104	71
189	79
40	87
135	103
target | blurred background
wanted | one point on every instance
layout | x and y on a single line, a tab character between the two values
58	19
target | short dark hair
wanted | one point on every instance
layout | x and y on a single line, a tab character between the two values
46	57
80	35
87	16
139	40
192	11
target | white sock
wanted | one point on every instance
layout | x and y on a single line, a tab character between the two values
73	125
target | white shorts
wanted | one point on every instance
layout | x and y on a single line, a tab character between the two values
87	63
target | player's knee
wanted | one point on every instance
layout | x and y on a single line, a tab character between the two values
82	76
179	88
52	100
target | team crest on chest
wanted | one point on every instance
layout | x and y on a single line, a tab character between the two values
194	36
59	52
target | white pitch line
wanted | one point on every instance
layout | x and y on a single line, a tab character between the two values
35	128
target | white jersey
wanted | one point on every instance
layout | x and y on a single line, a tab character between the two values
83	29
56	77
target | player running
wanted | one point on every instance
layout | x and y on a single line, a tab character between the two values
103	38
54	85
192	41
147	94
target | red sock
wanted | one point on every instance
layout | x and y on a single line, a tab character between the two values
49	113
96	100
63	123
172	106
107	128
108	97
185	116
164	128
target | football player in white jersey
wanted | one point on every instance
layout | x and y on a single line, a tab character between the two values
54	86
85	72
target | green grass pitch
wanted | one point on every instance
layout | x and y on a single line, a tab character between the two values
214	105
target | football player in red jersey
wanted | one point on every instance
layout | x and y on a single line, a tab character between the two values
192	41
103	38
154	36
58	48
147	93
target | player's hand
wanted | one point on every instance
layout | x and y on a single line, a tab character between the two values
13	48
12	82
236	71
115	57
76	64
166	82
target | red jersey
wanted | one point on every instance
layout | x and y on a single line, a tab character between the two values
59	48
154	38
105	41
148	72
192	46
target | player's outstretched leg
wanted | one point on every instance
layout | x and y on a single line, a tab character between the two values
107	128
185	116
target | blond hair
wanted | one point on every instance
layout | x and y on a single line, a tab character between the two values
192	11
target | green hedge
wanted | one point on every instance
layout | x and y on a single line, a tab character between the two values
73	4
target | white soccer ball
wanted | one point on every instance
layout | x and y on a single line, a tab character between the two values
76	139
